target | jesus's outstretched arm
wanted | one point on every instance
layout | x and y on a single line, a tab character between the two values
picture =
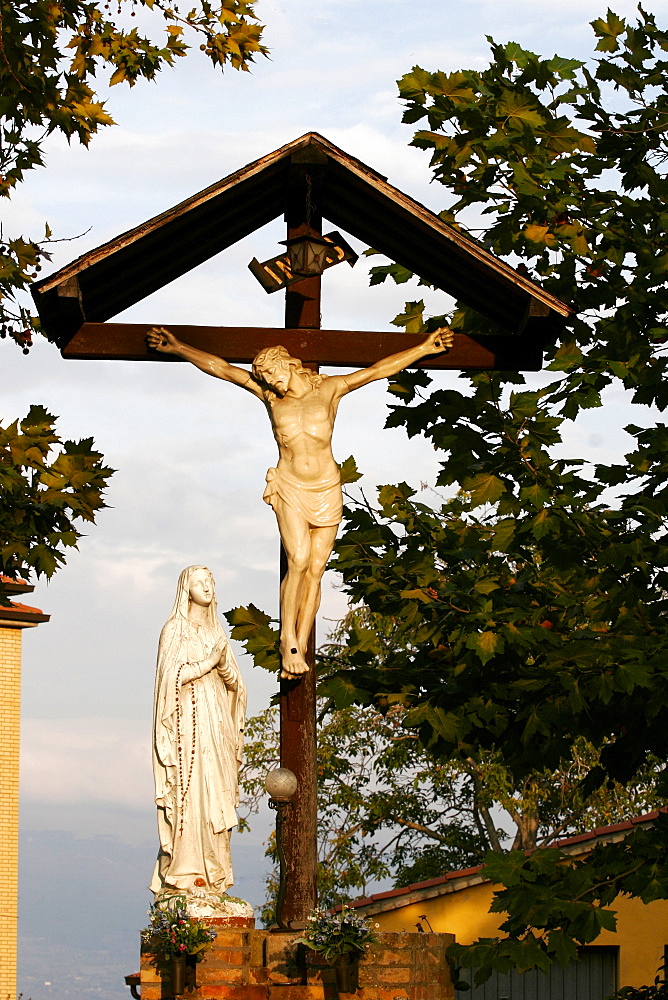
436	343
162	340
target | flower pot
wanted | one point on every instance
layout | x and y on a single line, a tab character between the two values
178	974
347	969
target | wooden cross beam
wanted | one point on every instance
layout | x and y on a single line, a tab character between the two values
345	348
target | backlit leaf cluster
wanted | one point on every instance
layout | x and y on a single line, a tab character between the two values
52	52
46	487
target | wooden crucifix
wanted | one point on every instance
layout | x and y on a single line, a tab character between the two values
305	180
305	493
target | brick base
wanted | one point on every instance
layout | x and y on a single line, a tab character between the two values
248	964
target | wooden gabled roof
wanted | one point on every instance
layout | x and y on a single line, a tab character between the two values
113	277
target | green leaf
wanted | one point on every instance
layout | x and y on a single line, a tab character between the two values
246	617
484	488
608	32
485	644
520	109
343	692
349	471
411	318
503	534
540	234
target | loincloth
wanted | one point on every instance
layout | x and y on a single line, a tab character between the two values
320	503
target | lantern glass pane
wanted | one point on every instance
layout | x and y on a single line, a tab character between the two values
308	257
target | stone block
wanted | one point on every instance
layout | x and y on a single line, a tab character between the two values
230	938
220	957
257	939
149	974
394	939
281	958
272	977
378	975
299	992
231	993
382	993
262	965
246	922
223	977
151	992
380	955
258	976
431	956
321	974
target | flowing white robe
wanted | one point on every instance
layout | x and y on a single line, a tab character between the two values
197	747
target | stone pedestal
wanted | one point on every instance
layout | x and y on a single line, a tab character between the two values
248	964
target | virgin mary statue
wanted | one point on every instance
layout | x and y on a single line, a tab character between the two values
198	720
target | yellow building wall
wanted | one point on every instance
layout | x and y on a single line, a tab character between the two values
642	929
10	710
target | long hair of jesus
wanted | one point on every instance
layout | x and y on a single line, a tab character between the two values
280	353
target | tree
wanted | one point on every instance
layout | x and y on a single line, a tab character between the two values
532	604
530	607
46	486
536	809
50	55
385	809
388	809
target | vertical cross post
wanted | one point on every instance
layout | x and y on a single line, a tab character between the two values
298	726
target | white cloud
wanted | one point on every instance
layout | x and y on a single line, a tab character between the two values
94	759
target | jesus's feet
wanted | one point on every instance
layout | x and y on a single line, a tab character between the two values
292	662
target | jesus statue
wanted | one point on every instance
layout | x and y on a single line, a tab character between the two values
304	489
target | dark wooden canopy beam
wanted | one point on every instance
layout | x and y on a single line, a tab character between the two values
109	279
335	348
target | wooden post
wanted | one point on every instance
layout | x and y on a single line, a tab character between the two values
298	725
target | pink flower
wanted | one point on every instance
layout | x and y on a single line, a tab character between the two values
182	947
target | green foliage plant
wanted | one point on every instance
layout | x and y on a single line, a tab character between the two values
658	990
540	805
52	53
554	902
531	604
386	809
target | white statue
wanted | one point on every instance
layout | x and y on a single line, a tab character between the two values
198	722
305	487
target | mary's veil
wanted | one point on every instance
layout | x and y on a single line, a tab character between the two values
182	600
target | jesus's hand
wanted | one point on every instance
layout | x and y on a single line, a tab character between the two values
438	341
160	339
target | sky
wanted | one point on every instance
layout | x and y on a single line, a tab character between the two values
191	452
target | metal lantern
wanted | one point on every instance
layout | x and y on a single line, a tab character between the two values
308	254
281	785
